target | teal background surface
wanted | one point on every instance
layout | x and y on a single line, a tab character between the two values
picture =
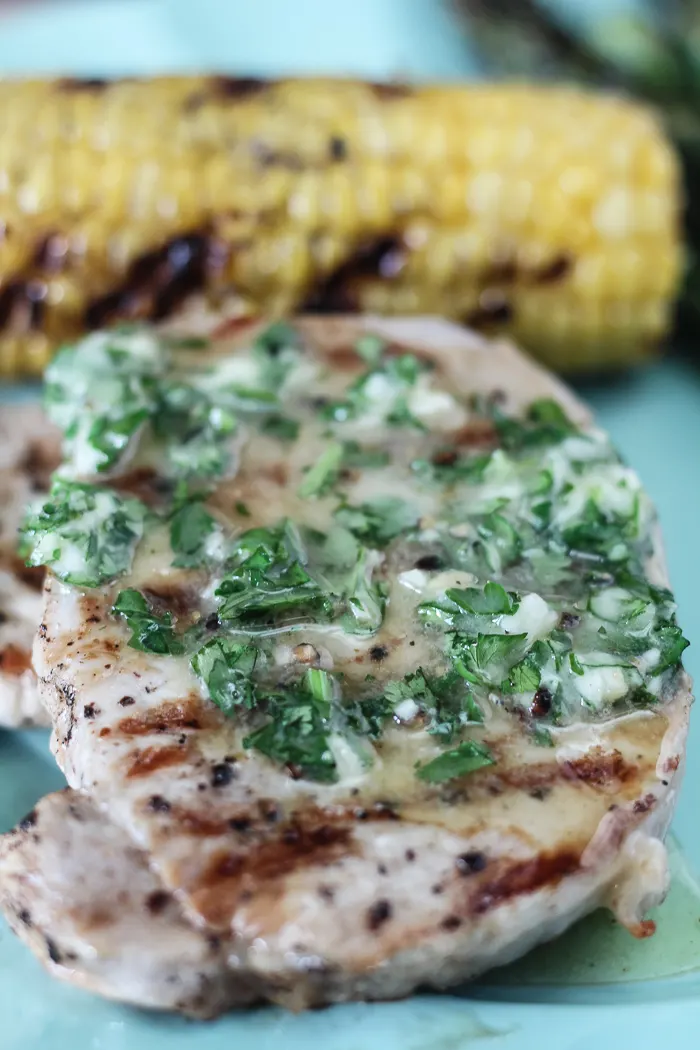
595	988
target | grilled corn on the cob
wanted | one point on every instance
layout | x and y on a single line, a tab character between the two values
550	214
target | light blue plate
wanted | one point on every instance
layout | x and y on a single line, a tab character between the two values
596	988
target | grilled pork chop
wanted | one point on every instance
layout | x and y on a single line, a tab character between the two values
361	638
29	450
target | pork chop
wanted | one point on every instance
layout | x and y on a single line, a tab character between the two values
363	639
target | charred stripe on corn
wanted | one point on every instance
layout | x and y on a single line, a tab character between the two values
550	214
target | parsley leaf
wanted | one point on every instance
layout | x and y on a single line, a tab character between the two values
523	677
467	757
545	423
150	633
321	476
671	643
378	521
371	348
86	534
486	659
491	601
365	600
100	391
385	388
281	427
268	581
196	430
448	466
354	455
299	727
191	525
226	669
445	701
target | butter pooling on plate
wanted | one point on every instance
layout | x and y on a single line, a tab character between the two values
348	582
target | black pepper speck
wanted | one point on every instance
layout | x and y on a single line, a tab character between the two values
221	774
471	863
378	914
159	804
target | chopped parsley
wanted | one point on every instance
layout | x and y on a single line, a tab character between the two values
541	531
446	703
191	527
195	431
382	391
378	521
365	598
268	583
100	392
149	632
281	427
226	668
467	757
86	534
299	726
321	476
544	423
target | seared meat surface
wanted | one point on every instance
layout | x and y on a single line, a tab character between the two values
29	451
356	637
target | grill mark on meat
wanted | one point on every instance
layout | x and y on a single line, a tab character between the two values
144	484
172	596
15	661
203	826
184	715
39	461
476	434
277	473
153	758
597	768
525	876
30	575
600	768
643	805
295	846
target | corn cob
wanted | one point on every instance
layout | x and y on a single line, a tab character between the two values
551	215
